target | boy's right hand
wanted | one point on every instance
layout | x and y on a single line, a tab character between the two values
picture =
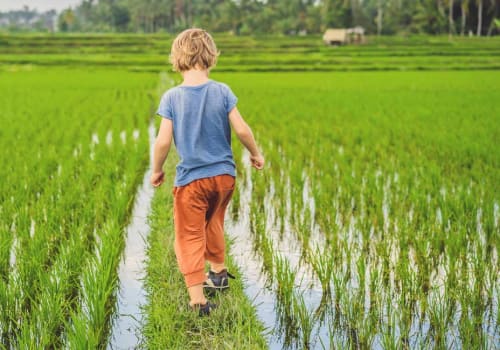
157	178
257	161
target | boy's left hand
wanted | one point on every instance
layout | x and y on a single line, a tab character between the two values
157	178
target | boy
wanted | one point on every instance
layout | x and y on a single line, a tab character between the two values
199	114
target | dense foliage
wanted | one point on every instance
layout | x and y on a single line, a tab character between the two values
282	16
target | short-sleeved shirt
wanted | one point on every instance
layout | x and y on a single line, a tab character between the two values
202	133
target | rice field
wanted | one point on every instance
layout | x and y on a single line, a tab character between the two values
374	226
73	150
254	54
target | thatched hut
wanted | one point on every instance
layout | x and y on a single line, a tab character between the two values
335	37
342	36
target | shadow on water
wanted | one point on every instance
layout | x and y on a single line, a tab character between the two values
126	325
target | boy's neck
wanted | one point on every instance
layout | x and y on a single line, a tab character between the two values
195	77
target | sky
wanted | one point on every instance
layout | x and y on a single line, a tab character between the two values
40	5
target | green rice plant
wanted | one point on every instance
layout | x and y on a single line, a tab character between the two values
5	247
262	243
75	179
286	304
389	335
42	328
306	320
399	191
99	282
322	263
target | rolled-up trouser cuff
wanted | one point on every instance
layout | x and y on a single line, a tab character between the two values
194	278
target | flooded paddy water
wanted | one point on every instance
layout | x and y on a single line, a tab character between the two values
370	292
131	295
259	284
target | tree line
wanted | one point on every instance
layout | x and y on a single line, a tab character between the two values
464	17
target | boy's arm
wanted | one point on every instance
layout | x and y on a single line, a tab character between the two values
161	149
245	135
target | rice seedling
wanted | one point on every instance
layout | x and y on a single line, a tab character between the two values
67	186
410	233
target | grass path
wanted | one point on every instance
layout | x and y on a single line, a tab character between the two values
169	324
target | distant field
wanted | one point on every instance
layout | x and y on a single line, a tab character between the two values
141	52
376	223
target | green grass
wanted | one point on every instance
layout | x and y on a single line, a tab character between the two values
170	324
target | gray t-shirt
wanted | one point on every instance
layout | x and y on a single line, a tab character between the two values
202	133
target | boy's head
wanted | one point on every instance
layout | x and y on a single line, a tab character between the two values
193	49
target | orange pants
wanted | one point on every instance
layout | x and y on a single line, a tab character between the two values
199	209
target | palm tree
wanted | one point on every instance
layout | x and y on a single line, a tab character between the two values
495	23
479	16
465	11
450	18
379	19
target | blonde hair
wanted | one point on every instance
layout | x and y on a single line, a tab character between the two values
193	48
